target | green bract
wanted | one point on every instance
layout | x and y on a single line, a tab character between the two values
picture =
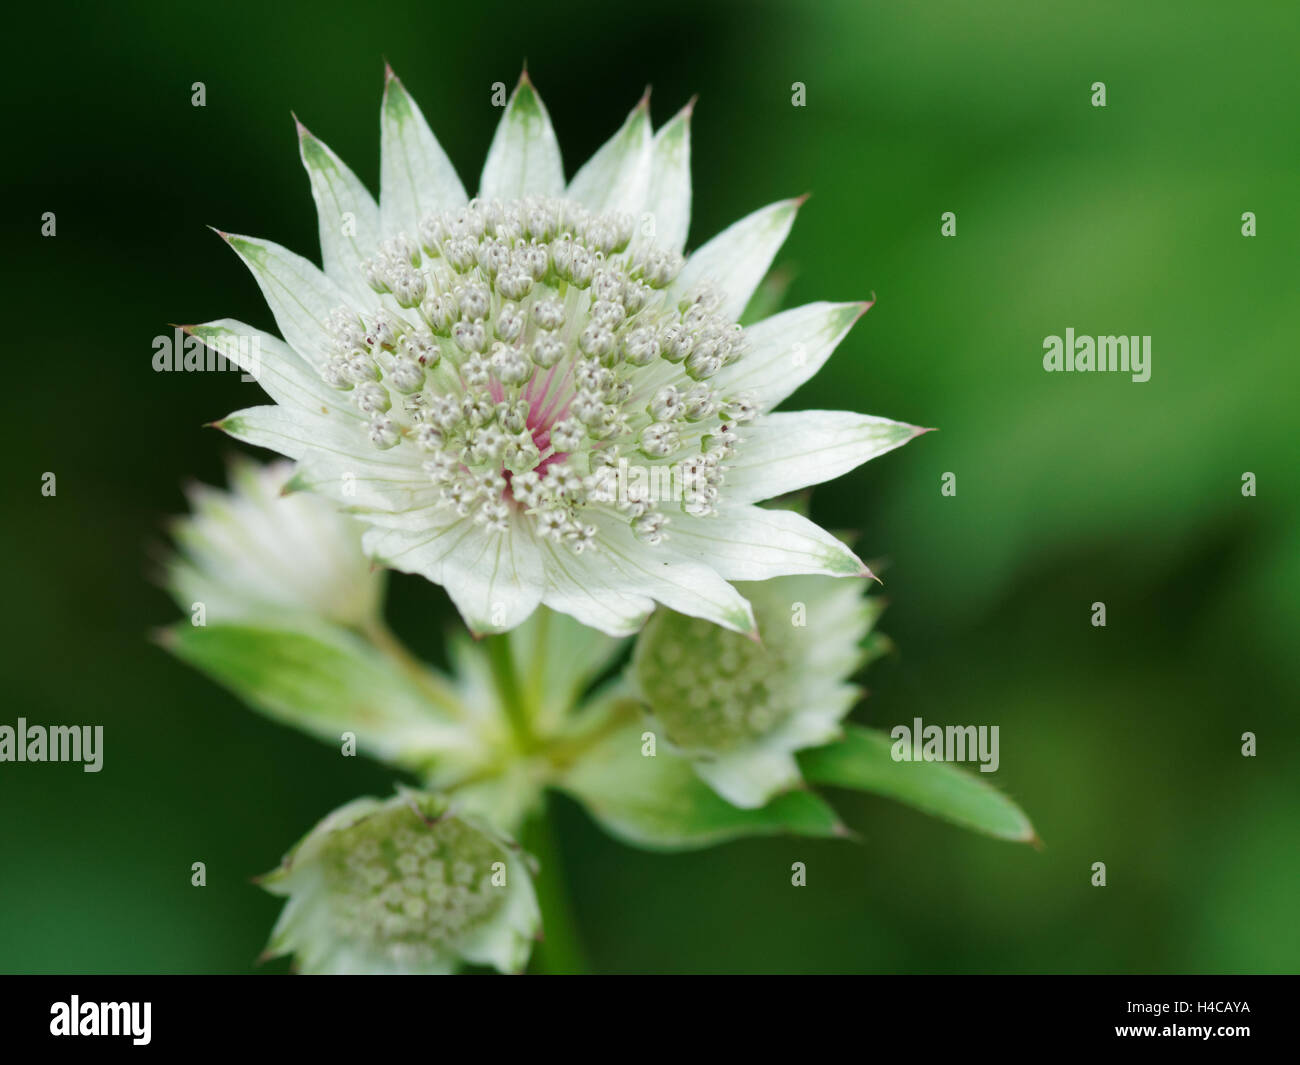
403	886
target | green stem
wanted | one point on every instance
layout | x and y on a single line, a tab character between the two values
562	753
560	952
502	661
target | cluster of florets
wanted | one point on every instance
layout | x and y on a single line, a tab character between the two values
523	349
715	690
405	889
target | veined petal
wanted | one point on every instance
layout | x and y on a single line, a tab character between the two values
524	159
401	549
435	513
617	177
680	583
750	543
415	175
284	376
365	487
348	214
787	451
668	199
299	295
578	586
788	349
292	432
737	258
495	579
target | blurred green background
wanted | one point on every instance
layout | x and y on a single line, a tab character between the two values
1122	744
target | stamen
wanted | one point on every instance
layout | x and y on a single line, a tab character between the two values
557	349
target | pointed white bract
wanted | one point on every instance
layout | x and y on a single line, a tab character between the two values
531	397
415	175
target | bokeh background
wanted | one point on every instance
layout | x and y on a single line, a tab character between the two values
1123	743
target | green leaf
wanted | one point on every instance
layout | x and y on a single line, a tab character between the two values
862	760
327	681
660	804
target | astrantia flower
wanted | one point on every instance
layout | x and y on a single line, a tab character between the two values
403	886
531	397
253	552
739	710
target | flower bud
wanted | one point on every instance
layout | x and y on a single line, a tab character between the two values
403	886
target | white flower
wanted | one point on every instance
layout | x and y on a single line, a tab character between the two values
403	886
739	710
253	552
463	371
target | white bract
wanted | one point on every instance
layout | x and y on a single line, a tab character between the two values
253	552
739	710
470	376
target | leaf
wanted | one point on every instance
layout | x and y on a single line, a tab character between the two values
862	760
326	681
660	804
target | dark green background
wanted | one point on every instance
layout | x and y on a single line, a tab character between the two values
1121	743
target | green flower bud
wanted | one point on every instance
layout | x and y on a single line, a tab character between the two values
740	708
403	886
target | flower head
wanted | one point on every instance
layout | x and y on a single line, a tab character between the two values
403	886
739	710
531	397
254	552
